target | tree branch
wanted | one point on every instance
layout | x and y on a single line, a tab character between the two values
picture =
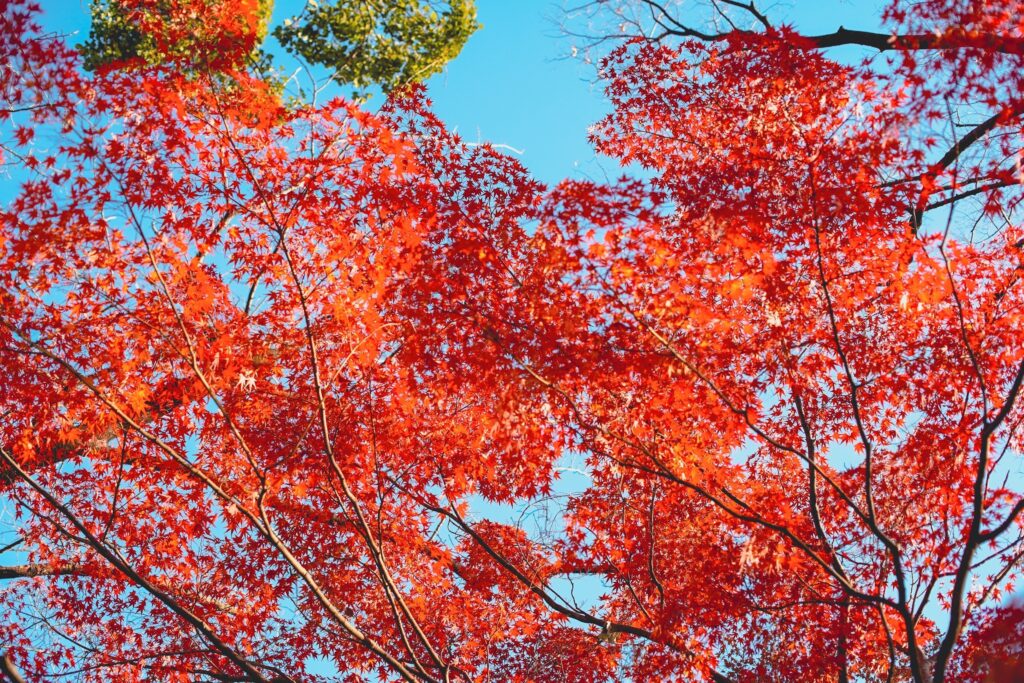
26	571
10	671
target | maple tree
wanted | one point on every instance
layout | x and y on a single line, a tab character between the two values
266	368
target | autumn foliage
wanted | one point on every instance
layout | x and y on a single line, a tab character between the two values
290	393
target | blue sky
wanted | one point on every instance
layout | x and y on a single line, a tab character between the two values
515	83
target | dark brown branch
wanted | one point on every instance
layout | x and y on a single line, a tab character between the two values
918	41
883	42
975	536
134	576
977	133
53	456
751	9
1014	513
952	199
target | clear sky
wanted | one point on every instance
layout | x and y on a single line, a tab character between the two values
515	82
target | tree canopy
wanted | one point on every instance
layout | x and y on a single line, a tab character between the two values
291	393
363	43
380	42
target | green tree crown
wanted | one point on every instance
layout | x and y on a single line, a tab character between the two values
380	42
